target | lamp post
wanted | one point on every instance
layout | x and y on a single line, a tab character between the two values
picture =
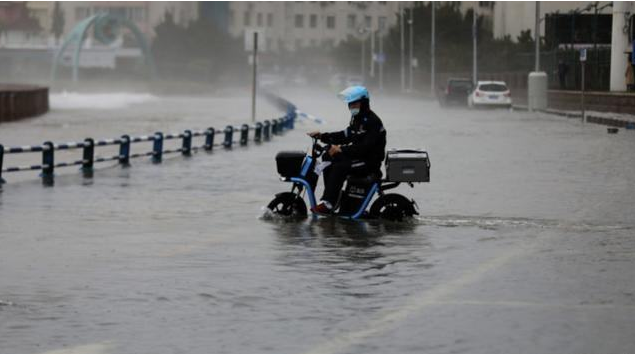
362	31
537	37
402	48
432	51
410	49
474	47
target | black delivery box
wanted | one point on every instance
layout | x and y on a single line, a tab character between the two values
407	166
289	163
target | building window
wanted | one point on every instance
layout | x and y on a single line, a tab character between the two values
269	20
138	14
313	43
381	23
298	43
350	20
259	19
299	21
247	18
368	22
330	22
313	21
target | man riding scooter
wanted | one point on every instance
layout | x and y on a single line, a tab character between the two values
358	150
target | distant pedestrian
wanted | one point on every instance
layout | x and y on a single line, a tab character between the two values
629	75
563	69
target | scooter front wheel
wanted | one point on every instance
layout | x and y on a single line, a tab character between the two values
393	207
288	204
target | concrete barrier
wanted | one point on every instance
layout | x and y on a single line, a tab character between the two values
22	101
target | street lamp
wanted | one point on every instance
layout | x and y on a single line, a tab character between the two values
362	31
410	49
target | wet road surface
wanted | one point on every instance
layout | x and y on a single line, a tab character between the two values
524	243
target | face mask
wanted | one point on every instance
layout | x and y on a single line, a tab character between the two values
354	111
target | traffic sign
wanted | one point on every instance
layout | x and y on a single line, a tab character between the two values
583	54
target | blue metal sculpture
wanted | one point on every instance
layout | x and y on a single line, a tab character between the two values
106	30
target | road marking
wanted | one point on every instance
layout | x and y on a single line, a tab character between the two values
538	305
415	304
96	348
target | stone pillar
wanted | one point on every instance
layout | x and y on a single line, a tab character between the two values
619	45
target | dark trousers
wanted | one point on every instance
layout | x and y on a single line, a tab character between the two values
335	175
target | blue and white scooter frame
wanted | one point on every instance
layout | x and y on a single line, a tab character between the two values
300	182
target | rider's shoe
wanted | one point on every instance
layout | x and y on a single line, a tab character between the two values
322	209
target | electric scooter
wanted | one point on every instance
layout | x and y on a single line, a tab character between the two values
299	169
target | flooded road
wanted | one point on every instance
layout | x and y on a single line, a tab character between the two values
525	242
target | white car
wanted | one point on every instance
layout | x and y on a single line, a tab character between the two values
490	94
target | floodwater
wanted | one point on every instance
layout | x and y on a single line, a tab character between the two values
525	242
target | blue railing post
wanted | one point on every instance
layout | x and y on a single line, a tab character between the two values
229	135
274	127
209	139
157	149
258	132
244	134
124	151
291	115
1	159
267	129
88	155
48	162
187	143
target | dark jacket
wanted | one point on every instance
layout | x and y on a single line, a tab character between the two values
364	139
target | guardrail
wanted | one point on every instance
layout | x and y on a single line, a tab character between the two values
262	131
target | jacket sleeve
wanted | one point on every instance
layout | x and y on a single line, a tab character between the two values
341	137
360	149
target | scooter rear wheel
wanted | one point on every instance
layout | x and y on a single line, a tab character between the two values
288	204
393	207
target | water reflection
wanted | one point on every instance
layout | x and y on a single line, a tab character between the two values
341	241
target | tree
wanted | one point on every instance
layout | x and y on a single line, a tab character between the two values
57	27
198	51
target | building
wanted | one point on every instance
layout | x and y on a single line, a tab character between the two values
17	24
294	24
510	18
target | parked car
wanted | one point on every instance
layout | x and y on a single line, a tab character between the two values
490	94
456	92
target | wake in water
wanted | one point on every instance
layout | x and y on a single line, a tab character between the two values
498	222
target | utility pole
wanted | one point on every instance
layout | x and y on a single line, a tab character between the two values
474	47
410	48
253	82
372	52
432	53
381	61
537	36
363	54
403	48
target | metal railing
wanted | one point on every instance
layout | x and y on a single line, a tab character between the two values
262	131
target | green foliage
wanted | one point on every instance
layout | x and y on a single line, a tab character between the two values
453	43
57	27
199	51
